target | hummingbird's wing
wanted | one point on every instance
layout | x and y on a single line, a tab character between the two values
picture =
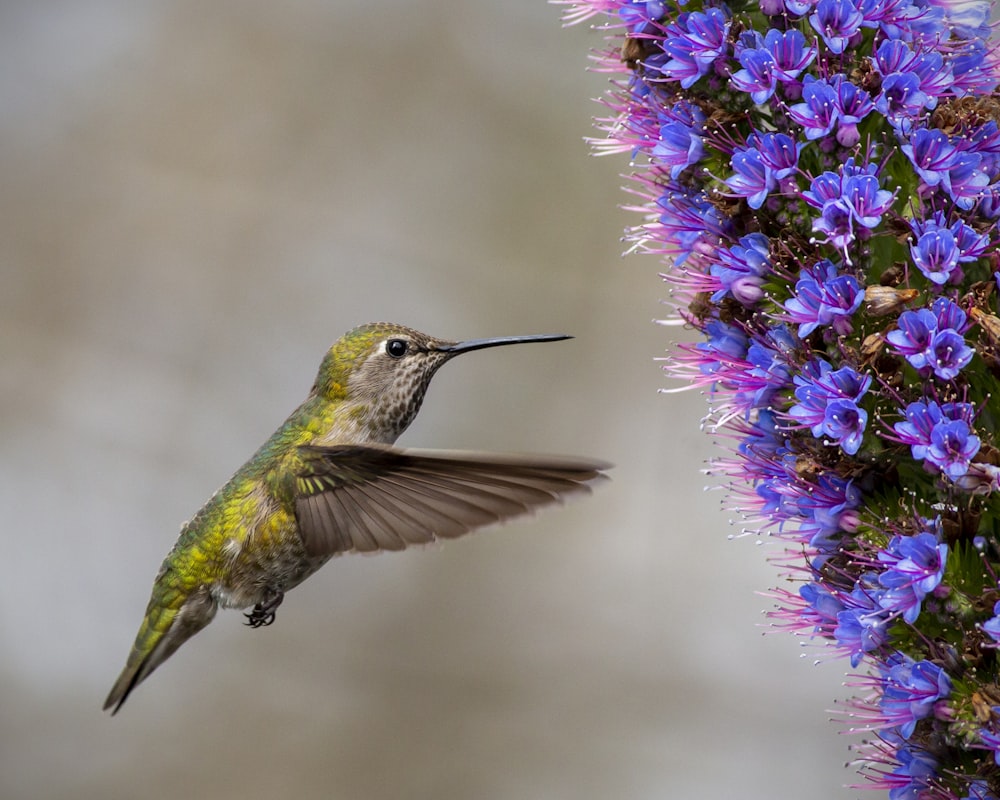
353	498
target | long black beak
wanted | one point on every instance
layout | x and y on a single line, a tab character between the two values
479	344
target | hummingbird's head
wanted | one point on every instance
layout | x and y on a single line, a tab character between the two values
384	370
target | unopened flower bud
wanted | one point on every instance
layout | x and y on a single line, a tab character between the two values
988	322
881	301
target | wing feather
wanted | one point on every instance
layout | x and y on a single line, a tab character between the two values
384	519
448	511
363	498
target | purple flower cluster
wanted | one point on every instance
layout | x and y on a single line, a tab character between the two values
821	181
847	198
823	297
932	339
827	403
831	103
742	268
777	57
913	568
940	435
692	44
910	692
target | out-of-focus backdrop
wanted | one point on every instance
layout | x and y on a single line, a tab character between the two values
196	199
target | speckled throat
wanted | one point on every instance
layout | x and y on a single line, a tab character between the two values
397	407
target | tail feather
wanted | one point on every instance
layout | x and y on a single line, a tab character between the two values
163	630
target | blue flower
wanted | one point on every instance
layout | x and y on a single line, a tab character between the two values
931	340
992	625
991	741
973	68
979	790
741	269
753	180
822	604
853	104
901	98
909	692
798	8
707	32
680	144
694	43
757	76
827	403
866	200
748	39
687	220
935	75
641	15
940	435
985	140
932	154
909	781
836	21
819	110
845	422
681	65
949	354
914	568
826	512
969	19
920	419
791	55
966	182
923	24
936	255
824	189
910	82
769	371
778	151
824	297
835	221
913	336
725	343
952	447
844	199
893	56
948	315
863	627
882	13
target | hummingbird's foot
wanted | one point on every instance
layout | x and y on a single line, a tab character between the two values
262	614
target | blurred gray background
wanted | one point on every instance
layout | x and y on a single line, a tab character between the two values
196	199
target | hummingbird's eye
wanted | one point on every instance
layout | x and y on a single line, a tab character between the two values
397	347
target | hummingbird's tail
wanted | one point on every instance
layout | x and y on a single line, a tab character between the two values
164	629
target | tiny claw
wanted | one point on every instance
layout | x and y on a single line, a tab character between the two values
258	617
262	614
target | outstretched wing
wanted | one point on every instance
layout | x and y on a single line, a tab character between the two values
353	498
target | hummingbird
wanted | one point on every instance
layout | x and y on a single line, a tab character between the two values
328	482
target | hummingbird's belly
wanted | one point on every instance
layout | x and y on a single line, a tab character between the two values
267	556
257	575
